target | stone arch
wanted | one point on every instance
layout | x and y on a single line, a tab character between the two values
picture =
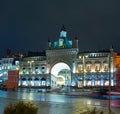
60	60
60	74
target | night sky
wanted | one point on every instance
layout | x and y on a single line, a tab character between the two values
28	24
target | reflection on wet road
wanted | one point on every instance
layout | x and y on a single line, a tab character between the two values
51	103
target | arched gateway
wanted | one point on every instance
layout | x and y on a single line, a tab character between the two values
60	75
60	56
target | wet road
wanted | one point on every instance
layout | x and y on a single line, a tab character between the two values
51	103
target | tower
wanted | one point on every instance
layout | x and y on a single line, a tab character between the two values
63	33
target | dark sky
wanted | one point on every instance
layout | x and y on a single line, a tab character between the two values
28	24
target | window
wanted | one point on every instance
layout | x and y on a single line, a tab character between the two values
105	67
2	67
23	69
16	62
88	67
80	67
8	67
36	70
97	67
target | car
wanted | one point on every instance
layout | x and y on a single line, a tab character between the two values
103	91
41	90
99	93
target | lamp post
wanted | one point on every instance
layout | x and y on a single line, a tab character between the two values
83	70
109	99
83	58
30	63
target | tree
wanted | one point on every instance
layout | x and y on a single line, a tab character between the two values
21	107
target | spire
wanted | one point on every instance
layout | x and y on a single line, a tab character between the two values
112	49
63	28
63	32
49	44
76	37
48	39
75	42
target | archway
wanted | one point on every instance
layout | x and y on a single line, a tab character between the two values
60	75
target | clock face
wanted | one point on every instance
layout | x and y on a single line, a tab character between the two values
61	42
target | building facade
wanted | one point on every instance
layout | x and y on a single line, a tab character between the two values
7	64
63	64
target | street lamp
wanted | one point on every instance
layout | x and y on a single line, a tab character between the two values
109	100
30	63
83	61
83	58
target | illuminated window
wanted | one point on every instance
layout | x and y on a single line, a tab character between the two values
106	83
88	83
23	69
16	62
43	68
80	67
2	67
105	67
88	68
36	70
43	83
8	67
97	67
